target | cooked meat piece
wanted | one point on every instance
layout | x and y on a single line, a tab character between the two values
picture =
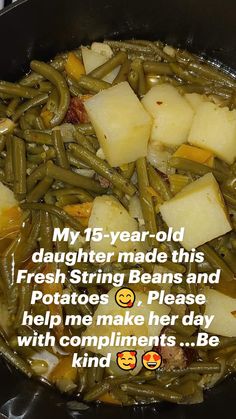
76	113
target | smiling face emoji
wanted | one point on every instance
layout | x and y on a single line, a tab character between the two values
151	360
126	360
125	297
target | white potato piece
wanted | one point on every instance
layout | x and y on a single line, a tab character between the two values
129	330
110	215
195	100
121	123
200	209
223	308
92	59
214	128
171	112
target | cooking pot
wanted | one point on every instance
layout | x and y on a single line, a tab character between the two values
39	29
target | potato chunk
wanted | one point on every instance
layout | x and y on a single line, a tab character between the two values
121	123
214	128
172	115
110	215
200	209
224	310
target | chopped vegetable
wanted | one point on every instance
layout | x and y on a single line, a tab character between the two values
194	208
196	154
214	129
171	112
222	307
121	123
74	66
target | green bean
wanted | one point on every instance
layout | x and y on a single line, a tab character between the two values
93	85
142	87
9	174
83	195
58	212
155	68
16	90
19	166
149	391
40	190
59	82
204	267
34	136
217	262
158	183
195	168
172	266
58	143
146	199
106	68
68	200
24	302
82	379
142	377
33	148
46	231
204	367
133	78
86	129
123	72
13	104
15	359
61	246
229	198
210	72
2	142
35	176
75	162
33	78
45	86
53	101
23	351
96	375
72	178
192	288
83	140
97	391
24	122
185	75
229	257
30	243
36	101
39	124
103	168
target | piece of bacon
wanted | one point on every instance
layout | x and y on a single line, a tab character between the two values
76	113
